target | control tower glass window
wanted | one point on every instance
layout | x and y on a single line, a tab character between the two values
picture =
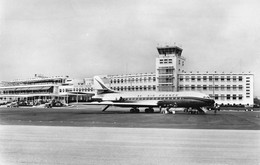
169	50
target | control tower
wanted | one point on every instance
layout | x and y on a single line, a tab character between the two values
168	64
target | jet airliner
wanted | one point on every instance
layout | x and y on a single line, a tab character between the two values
149	100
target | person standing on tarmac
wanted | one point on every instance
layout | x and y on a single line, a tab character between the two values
215	109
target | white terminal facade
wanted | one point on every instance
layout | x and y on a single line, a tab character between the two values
170	75
40	87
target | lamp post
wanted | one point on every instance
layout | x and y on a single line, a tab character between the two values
77	99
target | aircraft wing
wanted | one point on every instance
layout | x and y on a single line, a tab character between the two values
121	104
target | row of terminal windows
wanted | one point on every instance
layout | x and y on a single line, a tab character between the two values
169	61
26	92
216	87
77	90
132	88
166	71
228	97
43	82
211	78
131	80
165	61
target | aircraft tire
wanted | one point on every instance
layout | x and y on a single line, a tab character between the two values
149	110
137	110
132	110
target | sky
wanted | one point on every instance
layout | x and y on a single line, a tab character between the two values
83	38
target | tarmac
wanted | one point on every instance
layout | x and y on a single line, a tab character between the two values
89	136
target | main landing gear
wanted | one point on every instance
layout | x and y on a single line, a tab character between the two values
149	110
134	110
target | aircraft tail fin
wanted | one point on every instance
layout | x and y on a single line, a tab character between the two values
101	87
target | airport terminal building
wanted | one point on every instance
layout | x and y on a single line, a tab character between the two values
226	88
44	88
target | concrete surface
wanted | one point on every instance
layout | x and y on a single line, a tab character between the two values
94	117
43	145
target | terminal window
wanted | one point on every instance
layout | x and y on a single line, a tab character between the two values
222	97
234	97
228	78
228	87
228	97
216	97
240	97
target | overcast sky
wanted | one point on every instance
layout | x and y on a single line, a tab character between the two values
82	38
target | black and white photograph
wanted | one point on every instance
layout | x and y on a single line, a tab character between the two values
116	82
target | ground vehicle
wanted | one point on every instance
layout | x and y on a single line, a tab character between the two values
12	104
